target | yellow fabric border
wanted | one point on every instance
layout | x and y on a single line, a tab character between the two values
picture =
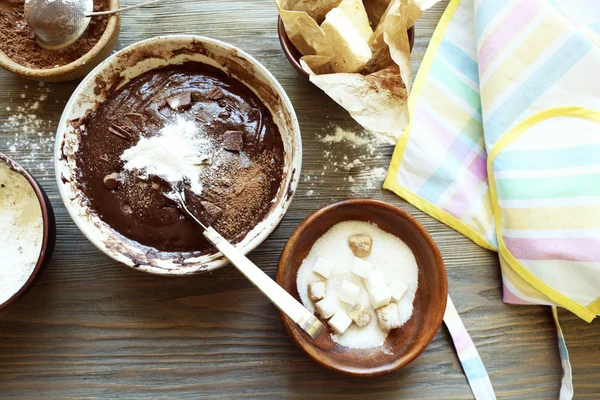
390	181
586	313
594	306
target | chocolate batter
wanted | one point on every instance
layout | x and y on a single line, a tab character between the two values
18	41
239	182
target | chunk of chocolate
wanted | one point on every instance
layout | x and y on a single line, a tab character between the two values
212	212
139	120
194	204
111	181
233	141
216	94
180	101
119	132
202	116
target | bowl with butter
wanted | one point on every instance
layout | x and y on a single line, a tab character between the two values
341	39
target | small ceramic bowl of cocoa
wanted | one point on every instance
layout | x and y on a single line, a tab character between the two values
21	54
28	231
408	339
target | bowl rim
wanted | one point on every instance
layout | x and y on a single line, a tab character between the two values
302	341
281	207
112	27
39	192
291	52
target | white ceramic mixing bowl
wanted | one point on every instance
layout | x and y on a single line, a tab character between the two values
121	68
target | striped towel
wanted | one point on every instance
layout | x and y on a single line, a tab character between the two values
504	142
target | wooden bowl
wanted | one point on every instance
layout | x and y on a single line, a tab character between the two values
402	345
78	68
293	55
49	224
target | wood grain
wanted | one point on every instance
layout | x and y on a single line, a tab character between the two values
93	328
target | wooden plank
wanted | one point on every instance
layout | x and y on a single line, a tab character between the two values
93	328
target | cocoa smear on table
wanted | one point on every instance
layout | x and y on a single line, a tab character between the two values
18	41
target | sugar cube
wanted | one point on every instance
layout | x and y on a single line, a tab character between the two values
397	289
349	292
360	245
388	317
323	267
361	267
360	315
376	279
340	322
327	307
380	296
316	290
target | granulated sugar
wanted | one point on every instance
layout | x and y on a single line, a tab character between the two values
21	234
390	255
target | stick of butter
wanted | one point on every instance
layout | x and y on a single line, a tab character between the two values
355	11
350	51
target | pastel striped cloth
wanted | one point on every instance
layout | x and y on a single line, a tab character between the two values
504	142
504	146
468	355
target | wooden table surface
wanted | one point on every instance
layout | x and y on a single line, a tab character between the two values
94	328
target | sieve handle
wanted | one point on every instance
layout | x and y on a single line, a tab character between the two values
109	12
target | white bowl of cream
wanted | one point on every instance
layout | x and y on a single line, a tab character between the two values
27	230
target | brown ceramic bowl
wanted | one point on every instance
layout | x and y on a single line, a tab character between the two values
402	345
78	68
293	55
49	238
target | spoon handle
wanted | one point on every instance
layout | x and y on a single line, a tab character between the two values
278	296
109	12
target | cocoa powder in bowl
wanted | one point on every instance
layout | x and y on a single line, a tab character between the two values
18	41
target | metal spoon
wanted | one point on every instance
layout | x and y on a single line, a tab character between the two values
278	296
58	23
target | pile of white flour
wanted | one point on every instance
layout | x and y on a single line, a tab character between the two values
21	231
176	154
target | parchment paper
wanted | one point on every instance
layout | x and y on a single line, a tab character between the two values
376	97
